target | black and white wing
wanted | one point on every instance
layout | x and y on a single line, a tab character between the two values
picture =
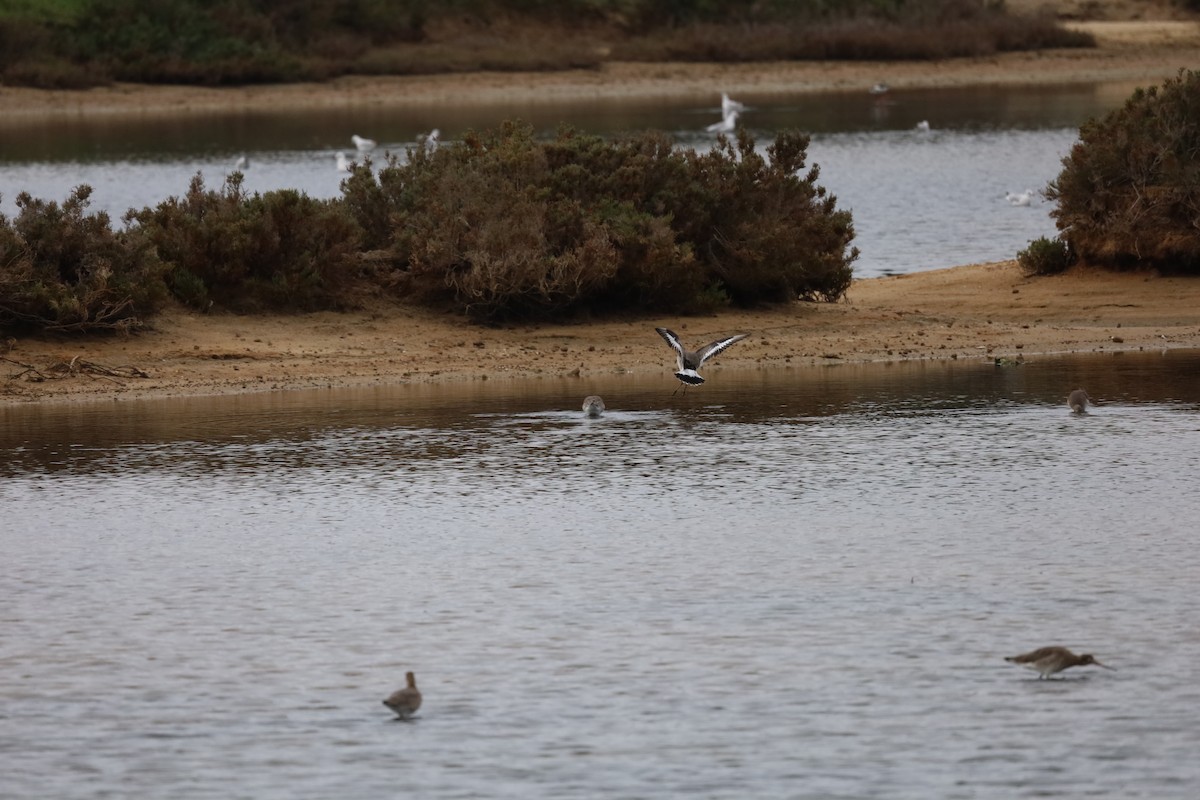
711	349
673	340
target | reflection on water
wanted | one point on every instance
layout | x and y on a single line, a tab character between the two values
919	201
789	584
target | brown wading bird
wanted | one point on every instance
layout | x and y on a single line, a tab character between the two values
1078	401
688	361
1050	660
406	701
593	405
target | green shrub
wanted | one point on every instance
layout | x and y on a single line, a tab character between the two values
280	251
1045	257
503	226
64	270
1129	191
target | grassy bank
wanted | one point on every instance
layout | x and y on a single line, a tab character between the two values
80	43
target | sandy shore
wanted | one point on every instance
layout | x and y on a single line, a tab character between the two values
972	312
981	312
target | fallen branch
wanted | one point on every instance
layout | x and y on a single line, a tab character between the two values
76	366
26	369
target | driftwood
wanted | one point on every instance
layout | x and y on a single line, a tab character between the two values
76	366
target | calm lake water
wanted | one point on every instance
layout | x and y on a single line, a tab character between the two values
920	200
796	583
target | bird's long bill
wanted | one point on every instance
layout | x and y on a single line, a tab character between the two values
1106	666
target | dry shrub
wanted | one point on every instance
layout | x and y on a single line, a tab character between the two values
282	250
1129	192
853	39
504	226
62	269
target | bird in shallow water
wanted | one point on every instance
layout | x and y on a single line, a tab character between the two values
728	123
593	406
1078	401
406	701
1050	660
687	362
362	144
728	104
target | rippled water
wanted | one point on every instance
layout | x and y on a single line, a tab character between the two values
799	583
919	201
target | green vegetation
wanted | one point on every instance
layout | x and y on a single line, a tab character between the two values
496	226
1045	257
1129	192
76	43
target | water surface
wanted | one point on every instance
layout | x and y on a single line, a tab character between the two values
796	583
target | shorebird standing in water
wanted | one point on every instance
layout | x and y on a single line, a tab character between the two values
1050	660
1078	401
406	701
593	406
688	361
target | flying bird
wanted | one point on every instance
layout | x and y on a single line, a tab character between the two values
406	701
1050	660
688	362
728	104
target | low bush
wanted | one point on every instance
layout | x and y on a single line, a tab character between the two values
279	251
62	269
1045	257
852	39
503	226
1129	192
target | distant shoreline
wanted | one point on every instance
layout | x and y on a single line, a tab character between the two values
1137	53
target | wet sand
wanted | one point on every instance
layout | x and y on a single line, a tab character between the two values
981	312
